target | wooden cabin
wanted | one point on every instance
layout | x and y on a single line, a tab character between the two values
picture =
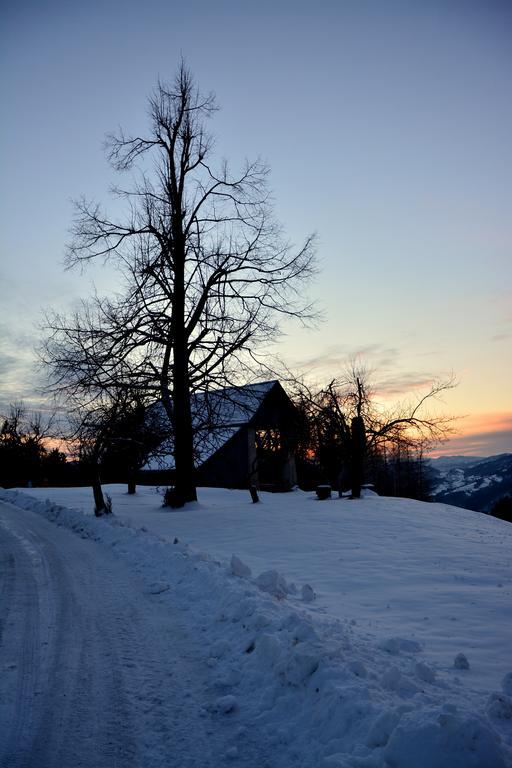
243	436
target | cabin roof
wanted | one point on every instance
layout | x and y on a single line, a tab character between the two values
217	416
231	406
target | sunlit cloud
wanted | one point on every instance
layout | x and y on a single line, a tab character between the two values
481	435
496	422
403	384
380	366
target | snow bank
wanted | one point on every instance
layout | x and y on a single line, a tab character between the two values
398	568
326	693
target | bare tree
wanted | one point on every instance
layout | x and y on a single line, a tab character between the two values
206	270
137	433
411	422
112	429
88	437
344	424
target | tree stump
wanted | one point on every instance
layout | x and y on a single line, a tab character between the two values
323	492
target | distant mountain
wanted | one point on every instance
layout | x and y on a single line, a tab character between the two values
472	482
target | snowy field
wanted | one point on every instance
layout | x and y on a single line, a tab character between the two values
372	633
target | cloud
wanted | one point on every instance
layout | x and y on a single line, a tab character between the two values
502	337
482	435
382	364
501	305
404	384
7	363
336	358
497	421
19	374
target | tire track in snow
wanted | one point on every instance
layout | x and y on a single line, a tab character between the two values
19	644
107	675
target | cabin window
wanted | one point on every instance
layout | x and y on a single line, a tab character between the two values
269	440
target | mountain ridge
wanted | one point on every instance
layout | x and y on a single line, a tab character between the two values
473	482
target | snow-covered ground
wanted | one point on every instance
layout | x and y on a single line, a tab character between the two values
364	674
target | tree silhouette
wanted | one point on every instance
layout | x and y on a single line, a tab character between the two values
205	268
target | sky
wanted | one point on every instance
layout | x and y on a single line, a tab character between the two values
387	127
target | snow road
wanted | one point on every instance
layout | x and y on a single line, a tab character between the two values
95	670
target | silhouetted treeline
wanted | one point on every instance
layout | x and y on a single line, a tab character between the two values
25	458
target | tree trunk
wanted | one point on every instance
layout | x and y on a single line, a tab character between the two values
132	481
177	409
358	439
183	446
185	488
100	508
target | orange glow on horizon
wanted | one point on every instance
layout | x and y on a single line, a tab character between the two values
480	435
65	447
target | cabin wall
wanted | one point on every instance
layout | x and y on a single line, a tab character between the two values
277	470
239	463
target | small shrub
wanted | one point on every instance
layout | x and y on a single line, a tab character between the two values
103	504
503	508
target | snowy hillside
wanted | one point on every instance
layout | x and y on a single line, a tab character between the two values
371	633
471	482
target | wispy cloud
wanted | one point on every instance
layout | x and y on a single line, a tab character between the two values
382	363
334	359
19	372
501	306
482	435
497	421
404	384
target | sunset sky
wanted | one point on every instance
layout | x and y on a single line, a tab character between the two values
387	126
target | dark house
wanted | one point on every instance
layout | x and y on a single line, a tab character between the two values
243	436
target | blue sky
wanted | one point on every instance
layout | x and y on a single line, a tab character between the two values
387	127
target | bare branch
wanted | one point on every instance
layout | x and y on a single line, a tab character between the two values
206	271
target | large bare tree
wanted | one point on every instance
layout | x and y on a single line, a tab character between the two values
205	269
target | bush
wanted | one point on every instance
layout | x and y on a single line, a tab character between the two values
503	508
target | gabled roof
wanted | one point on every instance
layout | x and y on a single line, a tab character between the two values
217	416
231	406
